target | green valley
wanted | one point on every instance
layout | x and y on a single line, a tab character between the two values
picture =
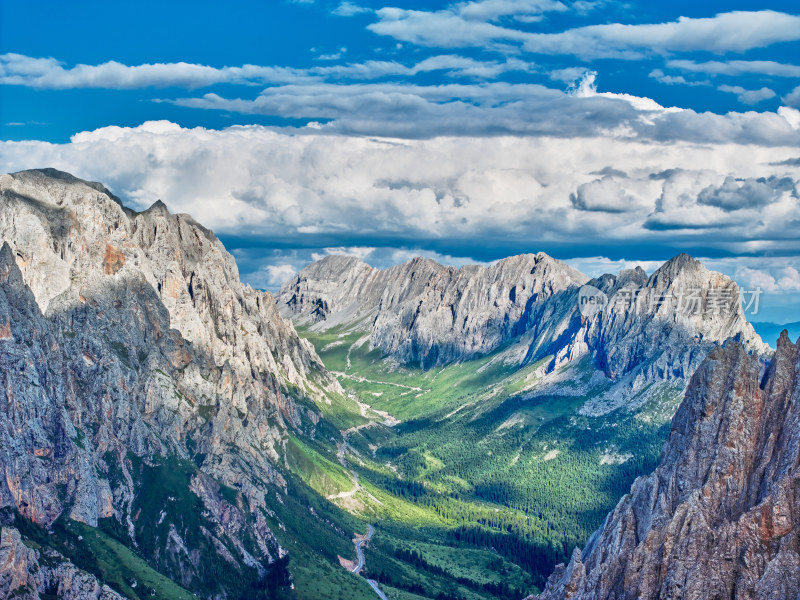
480	476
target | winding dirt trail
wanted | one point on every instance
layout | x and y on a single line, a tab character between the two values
360	541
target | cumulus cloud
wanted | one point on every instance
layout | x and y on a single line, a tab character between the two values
493	108
789	162
703	200
793	97
605	195
271	276
786	279
748	96
307	188
736	194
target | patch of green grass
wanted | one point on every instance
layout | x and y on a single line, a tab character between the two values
119	567
94	551
321	474
121	350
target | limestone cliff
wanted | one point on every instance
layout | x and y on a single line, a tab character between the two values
127	339
719	517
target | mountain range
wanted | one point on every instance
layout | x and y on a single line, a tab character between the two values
169	431
649	330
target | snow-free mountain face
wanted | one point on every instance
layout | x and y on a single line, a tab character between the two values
127	340
719	517
640	330
422	312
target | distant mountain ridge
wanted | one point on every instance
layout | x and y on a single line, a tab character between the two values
423	313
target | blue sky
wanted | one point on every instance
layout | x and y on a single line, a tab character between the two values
317	34
598	131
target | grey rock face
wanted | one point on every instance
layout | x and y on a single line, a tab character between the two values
125	334
656	328
719	517
422	312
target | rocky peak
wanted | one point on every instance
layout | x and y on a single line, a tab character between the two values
6	261
421	311
655	328
158	207
75	234
719	516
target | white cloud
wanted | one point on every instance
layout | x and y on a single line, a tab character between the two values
442	29
467	67
662	77
748	96
736	31
494	108
48	73
270	277
450	192
609	194
793	97
789	280
726	32
595	266
738	194
348	9
489	10
569	75
737	67
361	252
786	279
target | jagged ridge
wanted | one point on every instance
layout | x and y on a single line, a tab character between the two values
719	517
656	328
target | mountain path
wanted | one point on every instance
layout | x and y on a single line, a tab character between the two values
360	541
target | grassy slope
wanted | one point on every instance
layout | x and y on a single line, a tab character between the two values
94	551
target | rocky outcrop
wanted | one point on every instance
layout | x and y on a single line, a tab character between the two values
126	338
719	518
422	312
28	574
69	236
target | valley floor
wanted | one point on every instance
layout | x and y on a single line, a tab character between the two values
478	477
